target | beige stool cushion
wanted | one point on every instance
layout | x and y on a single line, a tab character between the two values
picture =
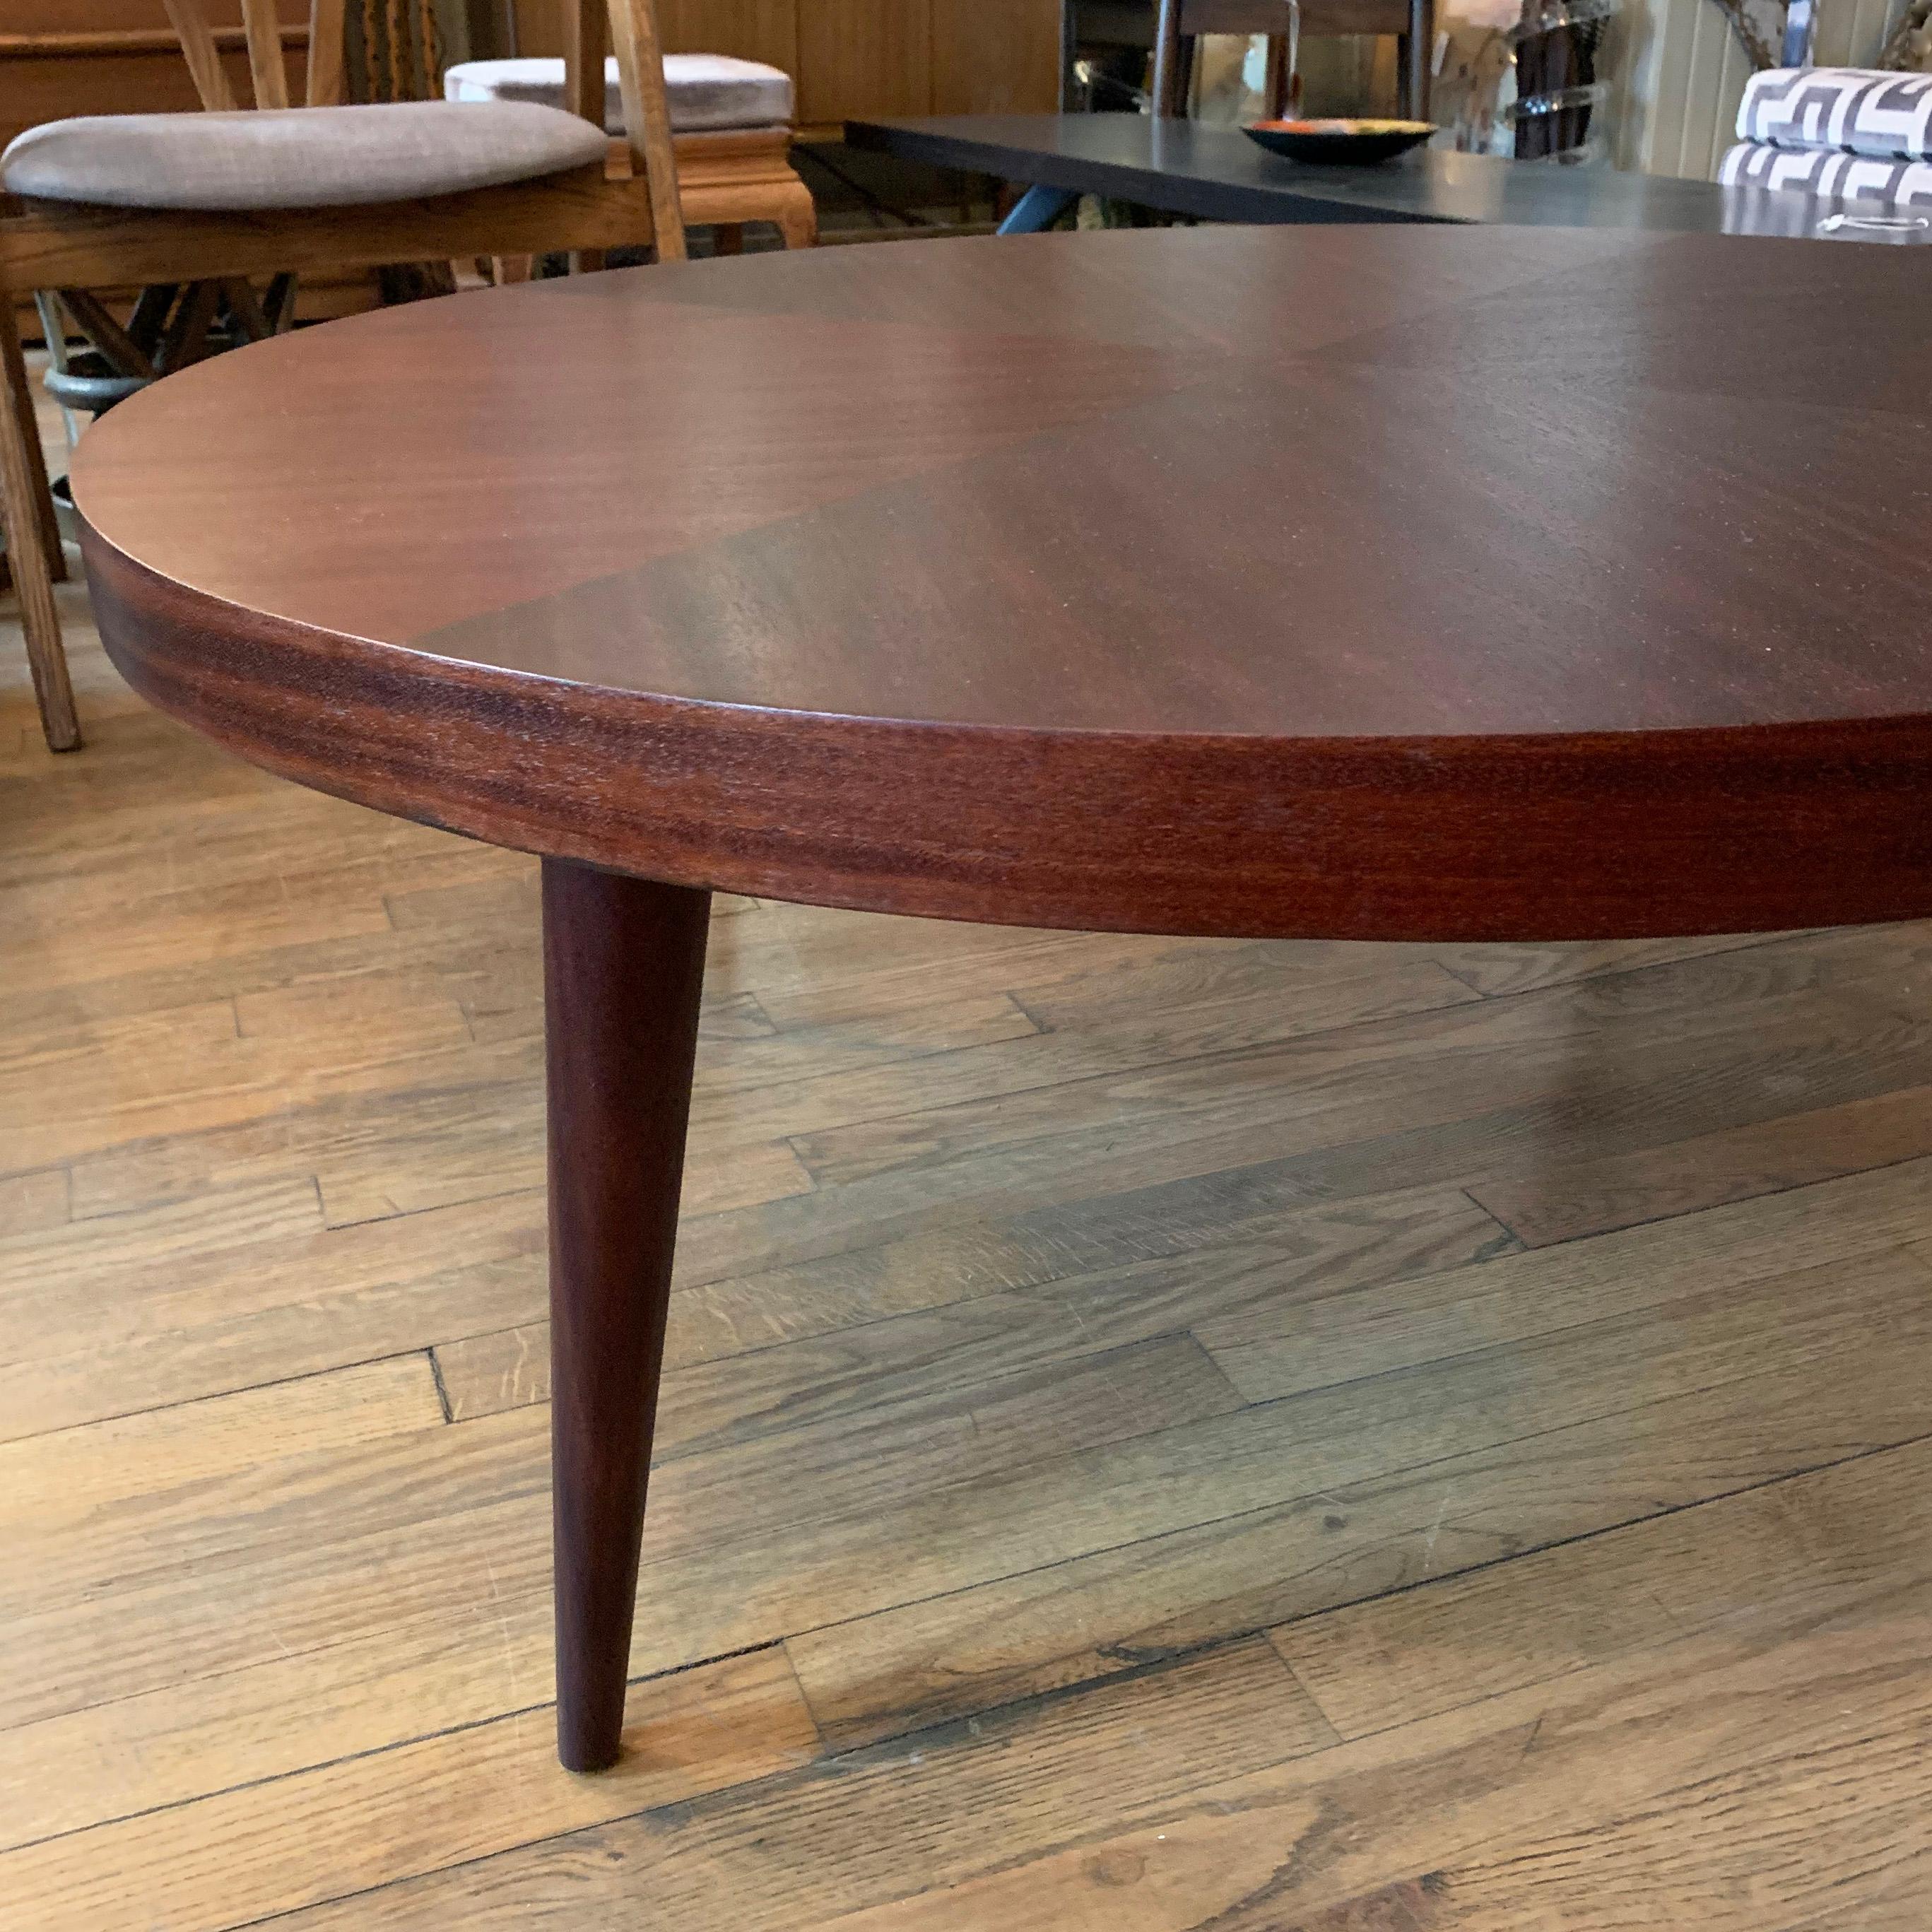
705	91
294	156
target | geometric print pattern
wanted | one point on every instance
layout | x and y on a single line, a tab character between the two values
1849	177
1845	110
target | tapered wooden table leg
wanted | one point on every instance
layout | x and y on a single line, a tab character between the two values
623	961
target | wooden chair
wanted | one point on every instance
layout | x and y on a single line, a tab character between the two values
1180	22
165	202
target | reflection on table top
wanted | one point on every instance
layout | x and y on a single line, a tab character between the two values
1218	174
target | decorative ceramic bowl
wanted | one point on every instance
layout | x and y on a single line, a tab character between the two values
1346	141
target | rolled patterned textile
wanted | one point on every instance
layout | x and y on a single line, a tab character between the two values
1818	171
1839	110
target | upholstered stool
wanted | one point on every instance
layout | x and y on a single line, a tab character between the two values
730	123
704	91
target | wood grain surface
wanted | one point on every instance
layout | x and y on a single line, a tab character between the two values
1374	582
1178	1434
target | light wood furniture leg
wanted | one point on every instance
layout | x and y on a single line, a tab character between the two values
507	268
623	967
20	401
798	219
23	488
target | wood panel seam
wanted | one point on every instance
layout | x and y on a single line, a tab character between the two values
225	1394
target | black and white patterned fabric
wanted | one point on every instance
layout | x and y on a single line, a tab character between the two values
1841	177
1844	110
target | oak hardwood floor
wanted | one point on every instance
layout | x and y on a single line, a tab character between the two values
1158	1435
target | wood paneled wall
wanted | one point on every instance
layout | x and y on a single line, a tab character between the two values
1679	73
858	57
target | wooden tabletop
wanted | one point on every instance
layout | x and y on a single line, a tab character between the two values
1375	582
1219	175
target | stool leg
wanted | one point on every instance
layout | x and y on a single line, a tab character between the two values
1039	207
797	217
623	965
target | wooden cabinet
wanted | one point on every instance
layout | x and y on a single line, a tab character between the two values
853	57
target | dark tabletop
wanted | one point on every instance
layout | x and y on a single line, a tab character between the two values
1219	174
1364	581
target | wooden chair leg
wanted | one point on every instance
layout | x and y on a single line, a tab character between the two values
586	261
21	399
507	268
23	482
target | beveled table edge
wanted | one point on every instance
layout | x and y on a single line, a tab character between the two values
1614	834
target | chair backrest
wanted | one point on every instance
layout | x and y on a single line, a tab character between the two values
399	42
1181	21
407	33
263	29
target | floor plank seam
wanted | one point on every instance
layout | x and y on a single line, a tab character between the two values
1710	1207
1602	1530
409	1743
671	1670
1169	1062
1751	943
1166	1654
970	1724
1232	1236
441	1389
1032	1018
286	1654
1496	1251
283	1776
1402	1371
221	1394
405	1213
833	1763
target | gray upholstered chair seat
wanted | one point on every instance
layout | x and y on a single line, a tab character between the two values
295	157
706	92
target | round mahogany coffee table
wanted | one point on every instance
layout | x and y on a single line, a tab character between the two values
1377	582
